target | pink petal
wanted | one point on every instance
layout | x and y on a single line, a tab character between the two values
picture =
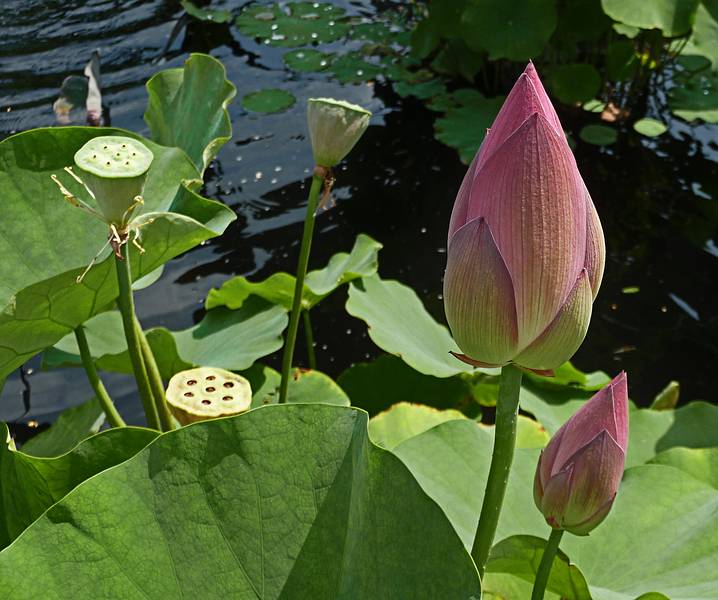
595	246
560	340
532	196
527	97
597	472
555	497
479	296
461	204
606	410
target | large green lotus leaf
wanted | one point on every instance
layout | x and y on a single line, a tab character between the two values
305	386
701	463
551	406
294	24
187	108
513	29
399	324
224	338
29	485
672	17
72	426
402	421
377	385
521	555
658	507
278	288
504	586
45	243
694	425
287	501
704	38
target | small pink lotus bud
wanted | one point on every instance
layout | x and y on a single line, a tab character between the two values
526	251
578	473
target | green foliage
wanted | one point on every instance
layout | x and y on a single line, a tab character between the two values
403	421
224	338
283	501
278	288
513	29
672	17
205	14
72	426
271	100
701	463
306	60
575	83
29	484
399	324
201	89
696	97
302	23
39	306
650	127
598	135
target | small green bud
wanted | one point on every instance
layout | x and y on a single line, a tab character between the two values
335	126
207	393
114	169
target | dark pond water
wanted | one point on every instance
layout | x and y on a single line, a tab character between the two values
657	198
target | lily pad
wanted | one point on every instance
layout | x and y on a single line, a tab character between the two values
307	60
265	500
703	41
575	83
513	29
40	299
294	24
29	485
200	89
270	100
399	324
672	17
206	14
278	288
650	127
696	97
598	135
353	68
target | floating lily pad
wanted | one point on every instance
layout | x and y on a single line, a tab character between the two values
206	14
294	24
696	97
307	60
270	100
353	68
575	83
598	135
650	128
422	90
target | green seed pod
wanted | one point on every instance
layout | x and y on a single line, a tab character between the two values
114	169
207	393
335	126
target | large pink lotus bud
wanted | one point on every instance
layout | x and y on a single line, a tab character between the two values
579	471
526	250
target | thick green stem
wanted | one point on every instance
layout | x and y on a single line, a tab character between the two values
309	337
126	304
317	181
156	384
544	570
113	417
504	442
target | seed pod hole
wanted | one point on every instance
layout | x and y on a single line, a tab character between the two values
210	378
226	397
209	390
205	401
228	384
188	394
192	382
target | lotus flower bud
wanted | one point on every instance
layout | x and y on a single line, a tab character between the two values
207	393
579	471
335	126
114	169
526	251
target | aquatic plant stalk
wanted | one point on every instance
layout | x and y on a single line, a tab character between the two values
126	304
155	379
113	416
309	337
544	569
504	442
317	181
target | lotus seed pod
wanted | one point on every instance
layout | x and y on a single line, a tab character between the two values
114	169
207	393
335	126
